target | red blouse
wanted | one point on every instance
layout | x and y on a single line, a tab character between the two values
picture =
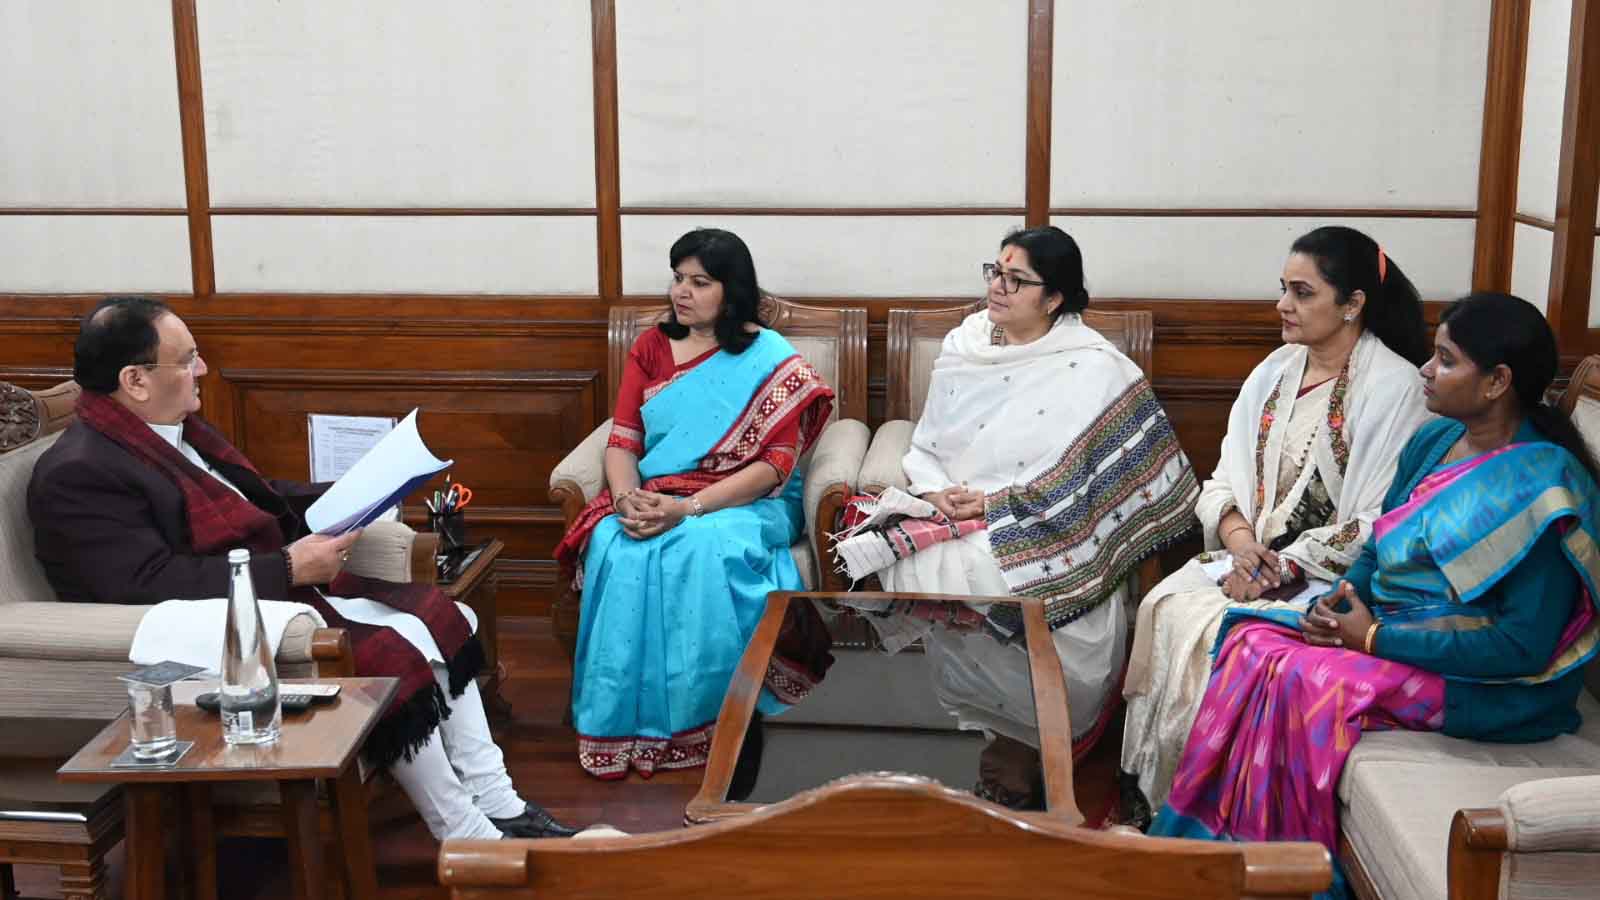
648	370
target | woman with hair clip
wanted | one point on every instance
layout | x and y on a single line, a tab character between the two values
1471	610
678	554
1310	448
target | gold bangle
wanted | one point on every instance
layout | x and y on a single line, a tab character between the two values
1372	632
1243	526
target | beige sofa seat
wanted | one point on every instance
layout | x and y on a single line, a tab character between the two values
59	661
1399	818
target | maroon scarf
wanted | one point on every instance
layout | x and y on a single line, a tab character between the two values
220	520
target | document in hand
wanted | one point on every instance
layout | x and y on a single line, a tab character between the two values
393	468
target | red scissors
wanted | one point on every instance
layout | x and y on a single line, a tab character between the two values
458	497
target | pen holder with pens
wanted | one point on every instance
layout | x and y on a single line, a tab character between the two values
451	527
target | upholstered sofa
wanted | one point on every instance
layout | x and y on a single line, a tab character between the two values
1429	816
59	661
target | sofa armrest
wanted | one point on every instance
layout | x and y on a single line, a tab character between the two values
1553	814
831	478
391	551
579	477
881	468
331	651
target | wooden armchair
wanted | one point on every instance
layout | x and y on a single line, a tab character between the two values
834	340
882	836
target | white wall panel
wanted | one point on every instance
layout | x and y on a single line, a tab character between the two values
1530	264
1544	95
1594	292
470	254
1243	257
822	103
888	256
1268	103
403	103
94	254
89	104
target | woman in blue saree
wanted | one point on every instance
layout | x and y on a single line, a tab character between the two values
1470	611
679	553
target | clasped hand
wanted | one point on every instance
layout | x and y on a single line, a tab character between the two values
644	514
1255	569
958	502
1324	627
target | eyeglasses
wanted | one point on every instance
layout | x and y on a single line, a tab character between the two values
193	365
1009	283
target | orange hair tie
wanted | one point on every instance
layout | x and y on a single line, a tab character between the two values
1383	265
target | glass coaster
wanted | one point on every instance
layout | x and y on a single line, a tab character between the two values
126	759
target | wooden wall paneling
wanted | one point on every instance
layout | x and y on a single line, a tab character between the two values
1499	153
607	149
506	430
192	120
1577	186
1041	65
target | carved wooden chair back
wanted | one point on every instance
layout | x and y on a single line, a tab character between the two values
915	336
879	836
833	339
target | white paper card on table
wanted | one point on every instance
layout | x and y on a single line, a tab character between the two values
397	465
339	442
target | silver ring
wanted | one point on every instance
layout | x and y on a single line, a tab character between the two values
344	555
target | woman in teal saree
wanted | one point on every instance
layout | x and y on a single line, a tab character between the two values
1470	611
703	503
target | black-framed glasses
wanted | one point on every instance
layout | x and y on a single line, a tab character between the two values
1009	283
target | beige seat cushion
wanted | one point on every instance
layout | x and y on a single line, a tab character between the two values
1581	750
1398	817
21	576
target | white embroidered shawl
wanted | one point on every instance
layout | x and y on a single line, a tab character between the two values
1082	473
1376	406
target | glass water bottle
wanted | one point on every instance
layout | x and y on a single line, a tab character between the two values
251	713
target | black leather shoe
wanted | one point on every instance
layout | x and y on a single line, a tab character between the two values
533	823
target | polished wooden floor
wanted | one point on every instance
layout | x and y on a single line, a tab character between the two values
541	754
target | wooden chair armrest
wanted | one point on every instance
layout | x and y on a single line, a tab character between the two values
483	863
828	506
424	550
1299	869
331	651
568	495
1478	841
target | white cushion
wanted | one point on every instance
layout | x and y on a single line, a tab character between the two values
1398	818
21	577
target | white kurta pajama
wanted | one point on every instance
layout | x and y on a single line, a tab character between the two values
1309	474
1083	479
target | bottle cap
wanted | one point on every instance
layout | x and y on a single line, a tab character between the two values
238	556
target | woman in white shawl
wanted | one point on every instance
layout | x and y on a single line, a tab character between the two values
1310	449
1048	469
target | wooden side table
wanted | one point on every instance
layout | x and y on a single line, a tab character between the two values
320	743
478	586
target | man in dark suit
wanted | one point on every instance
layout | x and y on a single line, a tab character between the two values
140	500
